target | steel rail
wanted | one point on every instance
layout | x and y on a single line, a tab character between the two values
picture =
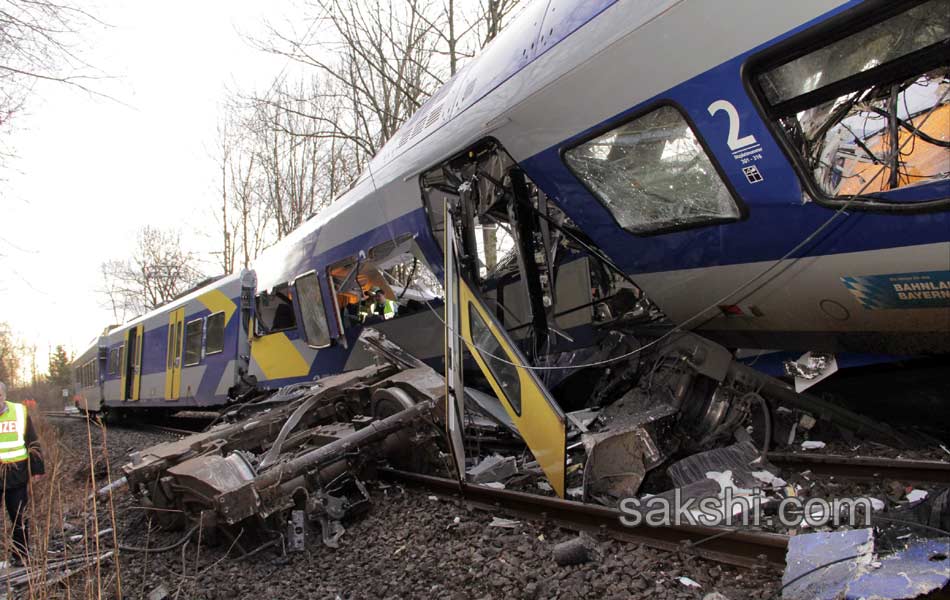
865	467
743	548
61	415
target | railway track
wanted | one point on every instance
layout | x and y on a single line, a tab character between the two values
865	467
741	548
61	415
190	425
744	548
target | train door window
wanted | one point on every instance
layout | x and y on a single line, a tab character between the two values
493	355
214	338
170	359
193	331
275	311
312	311
866	112
121	359
653	174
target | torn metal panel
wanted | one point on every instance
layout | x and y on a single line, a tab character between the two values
819	566
741	458
617	462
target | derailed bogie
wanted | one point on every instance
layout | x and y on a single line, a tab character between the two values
307	454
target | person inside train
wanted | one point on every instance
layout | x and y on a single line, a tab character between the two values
381	306
365	304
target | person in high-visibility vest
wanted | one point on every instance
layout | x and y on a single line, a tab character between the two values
381	306
21	462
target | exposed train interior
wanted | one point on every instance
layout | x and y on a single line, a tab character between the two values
635	394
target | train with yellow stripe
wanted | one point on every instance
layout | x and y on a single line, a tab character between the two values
785	190
232	337
187	353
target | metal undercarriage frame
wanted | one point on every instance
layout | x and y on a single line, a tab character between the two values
253	479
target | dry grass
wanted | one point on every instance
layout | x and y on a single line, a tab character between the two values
66	495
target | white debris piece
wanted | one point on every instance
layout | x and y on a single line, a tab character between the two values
506	523
769	479
433	497
575	492
494	485
807	422
545	486
493	468
812	445
877	504
688	582
915	495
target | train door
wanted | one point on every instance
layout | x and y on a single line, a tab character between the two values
132	367
176	325
540	421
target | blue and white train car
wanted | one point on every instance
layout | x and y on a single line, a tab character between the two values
774	177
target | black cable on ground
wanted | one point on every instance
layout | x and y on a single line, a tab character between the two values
180	542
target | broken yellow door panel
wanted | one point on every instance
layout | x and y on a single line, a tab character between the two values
538	419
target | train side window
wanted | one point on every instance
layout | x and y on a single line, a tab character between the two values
113	361
866	112
121	358
314	316
653	174
275	311
193	331
214	339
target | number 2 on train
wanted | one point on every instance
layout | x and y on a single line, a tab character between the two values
733	140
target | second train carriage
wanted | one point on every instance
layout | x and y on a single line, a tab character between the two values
189	353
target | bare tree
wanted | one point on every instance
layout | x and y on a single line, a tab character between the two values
11	356
378	55
39	43
157	272
287	153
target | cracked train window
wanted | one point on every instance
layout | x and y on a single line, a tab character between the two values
653	174
870	112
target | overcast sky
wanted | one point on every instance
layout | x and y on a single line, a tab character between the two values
90	172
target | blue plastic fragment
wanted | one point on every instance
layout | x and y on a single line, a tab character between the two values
810	556
922	568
